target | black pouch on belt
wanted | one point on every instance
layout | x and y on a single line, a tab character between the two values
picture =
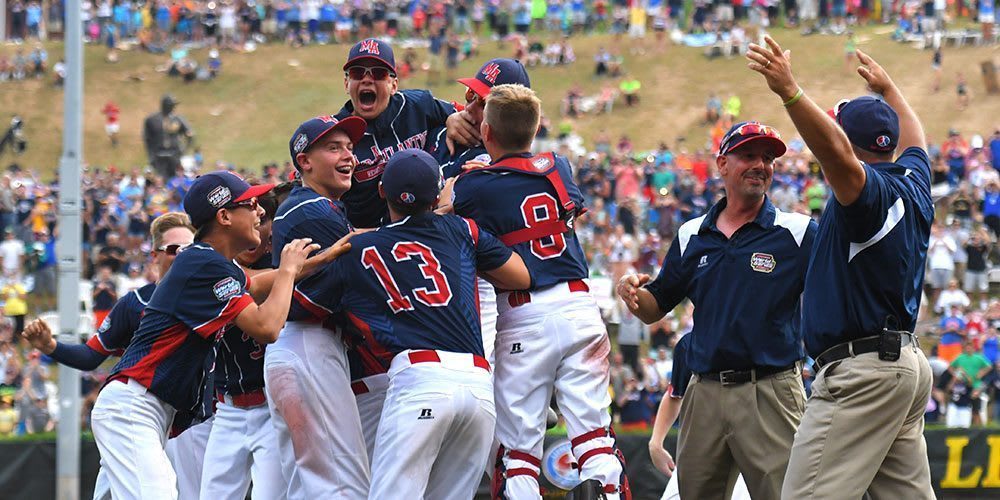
890	342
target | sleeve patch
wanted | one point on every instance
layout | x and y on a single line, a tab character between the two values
226	289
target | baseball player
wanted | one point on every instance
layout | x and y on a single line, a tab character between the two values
397	119
746	348
494	72
666	415
164	370
551	337
412	285
243	444
171	233
306	370
862	292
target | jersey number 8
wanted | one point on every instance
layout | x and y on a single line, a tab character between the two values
536	209
429	266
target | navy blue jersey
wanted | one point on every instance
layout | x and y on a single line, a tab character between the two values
521	197
680	373
451	164
307	214
745	289
870	256
405	123
116	332
239	365
412	284
365	356
173	351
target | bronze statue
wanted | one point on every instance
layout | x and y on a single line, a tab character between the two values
162	133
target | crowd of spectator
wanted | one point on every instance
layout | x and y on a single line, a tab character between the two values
637	199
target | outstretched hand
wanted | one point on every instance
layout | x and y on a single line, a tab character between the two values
328	255
776	66
873	73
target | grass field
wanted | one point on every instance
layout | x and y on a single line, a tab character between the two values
245	117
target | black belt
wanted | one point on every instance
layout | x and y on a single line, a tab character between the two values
733	377
855	347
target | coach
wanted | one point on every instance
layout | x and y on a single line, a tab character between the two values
743	266
863	428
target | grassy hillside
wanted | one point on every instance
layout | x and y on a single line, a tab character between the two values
246	116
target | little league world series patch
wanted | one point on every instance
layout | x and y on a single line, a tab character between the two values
762	262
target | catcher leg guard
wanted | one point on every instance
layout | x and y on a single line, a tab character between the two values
601	442
512	464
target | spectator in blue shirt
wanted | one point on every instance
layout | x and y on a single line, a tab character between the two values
862	292
743	266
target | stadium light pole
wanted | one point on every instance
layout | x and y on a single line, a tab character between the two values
68	254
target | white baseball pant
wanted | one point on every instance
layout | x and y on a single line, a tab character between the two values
187	455
187	469
436	428
243	445
552	339
130	426
313	410
102	487
488	316
369	392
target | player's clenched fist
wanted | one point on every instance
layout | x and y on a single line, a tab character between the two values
39	336
293	256
628	289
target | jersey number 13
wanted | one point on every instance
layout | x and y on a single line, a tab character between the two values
437	295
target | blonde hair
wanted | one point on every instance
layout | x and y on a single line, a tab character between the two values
513	113
166	222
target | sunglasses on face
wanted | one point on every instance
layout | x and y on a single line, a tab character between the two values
172	249
750	128
378	73
251	204
471	97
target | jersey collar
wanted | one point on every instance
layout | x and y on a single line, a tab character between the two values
765	217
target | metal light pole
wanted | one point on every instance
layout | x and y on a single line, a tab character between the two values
68	253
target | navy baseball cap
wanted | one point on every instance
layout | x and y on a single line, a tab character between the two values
371	48
497	72
411	177
870	124
313	129
745	132
214	191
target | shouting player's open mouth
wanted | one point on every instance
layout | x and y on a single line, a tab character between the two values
367	98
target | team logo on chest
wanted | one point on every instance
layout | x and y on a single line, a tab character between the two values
762	262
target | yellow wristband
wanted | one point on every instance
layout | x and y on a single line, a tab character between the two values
798	95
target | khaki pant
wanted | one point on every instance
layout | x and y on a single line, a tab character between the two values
744	428
864	430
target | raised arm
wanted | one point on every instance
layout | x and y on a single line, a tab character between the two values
826	140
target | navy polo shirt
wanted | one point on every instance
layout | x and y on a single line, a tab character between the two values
745	289
870	255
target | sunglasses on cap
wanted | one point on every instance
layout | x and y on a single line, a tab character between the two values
378	72
251	204
172	249
747	129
